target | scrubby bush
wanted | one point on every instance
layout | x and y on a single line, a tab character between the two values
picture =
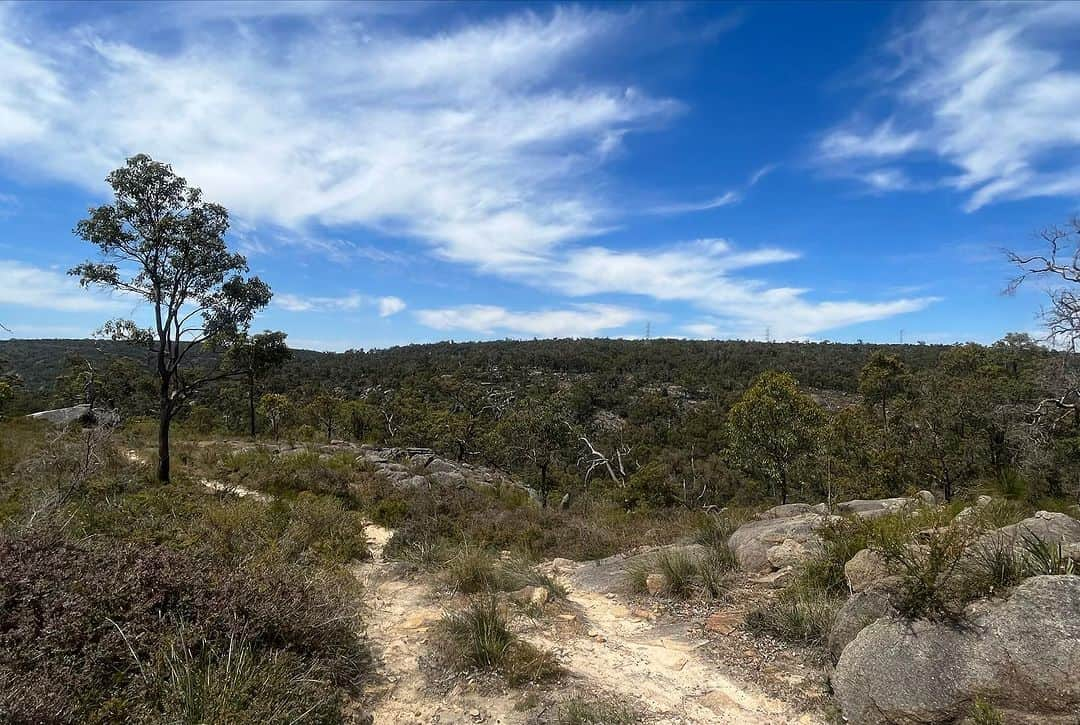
89	627
685	574
480	637
588	711
799	614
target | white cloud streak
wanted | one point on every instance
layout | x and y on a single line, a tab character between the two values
469	141
991	89
587	320
389	306
461	139
386	306
24	285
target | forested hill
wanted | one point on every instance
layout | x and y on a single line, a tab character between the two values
693	364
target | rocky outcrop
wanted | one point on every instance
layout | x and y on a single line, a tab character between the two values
865	569
1021	654
78	414
753	541
859	611
786	535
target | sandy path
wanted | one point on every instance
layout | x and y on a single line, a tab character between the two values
655	668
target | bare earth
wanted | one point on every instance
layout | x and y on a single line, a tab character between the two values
662	670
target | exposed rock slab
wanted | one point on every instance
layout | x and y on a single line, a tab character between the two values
1022	655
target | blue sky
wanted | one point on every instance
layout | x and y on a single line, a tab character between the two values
418	172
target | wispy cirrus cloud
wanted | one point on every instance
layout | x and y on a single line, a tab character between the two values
468	142
987	89
25	285
462	139
728	198
586	320
386	306
702	273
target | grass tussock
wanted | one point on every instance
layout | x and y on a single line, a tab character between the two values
473	570
686	574
579	710
480	637
799	614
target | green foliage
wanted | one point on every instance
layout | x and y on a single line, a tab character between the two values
589	711
772	427
799	614
480	637
685	574
984	713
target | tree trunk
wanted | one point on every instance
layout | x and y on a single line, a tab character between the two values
251	404
543	487
164	419
783	488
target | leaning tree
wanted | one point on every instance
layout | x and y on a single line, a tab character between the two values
160	242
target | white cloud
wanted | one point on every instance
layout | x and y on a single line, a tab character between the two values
988	88
390	306
726	199
700	273
463	139
24	285
291	302
586	320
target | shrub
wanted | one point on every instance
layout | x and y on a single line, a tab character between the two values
581	711
799	614
472	570
679	570
685	575
930	585
480	637
111	610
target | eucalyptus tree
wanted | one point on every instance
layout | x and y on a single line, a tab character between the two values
254	357
159	242
773	427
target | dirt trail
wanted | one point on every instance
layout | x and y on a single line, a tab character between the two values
656	668
659	667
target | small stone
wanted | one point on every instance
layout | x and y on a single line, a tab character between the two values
722	622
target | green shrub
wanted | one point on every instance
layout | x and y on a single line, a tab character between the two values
680	571
480	637
984	713
685	575
799	614
113	608
472	570
586	711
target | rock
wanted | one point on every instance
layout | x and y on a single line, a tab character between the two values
791	552
655	583
872	508
1050	527
751	541
861	609
777	579
785	511
980	503
723	622
415	482
82	414
609	575
1019	655
926	498
1071	551
865	569
446	478
535	596
820	508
